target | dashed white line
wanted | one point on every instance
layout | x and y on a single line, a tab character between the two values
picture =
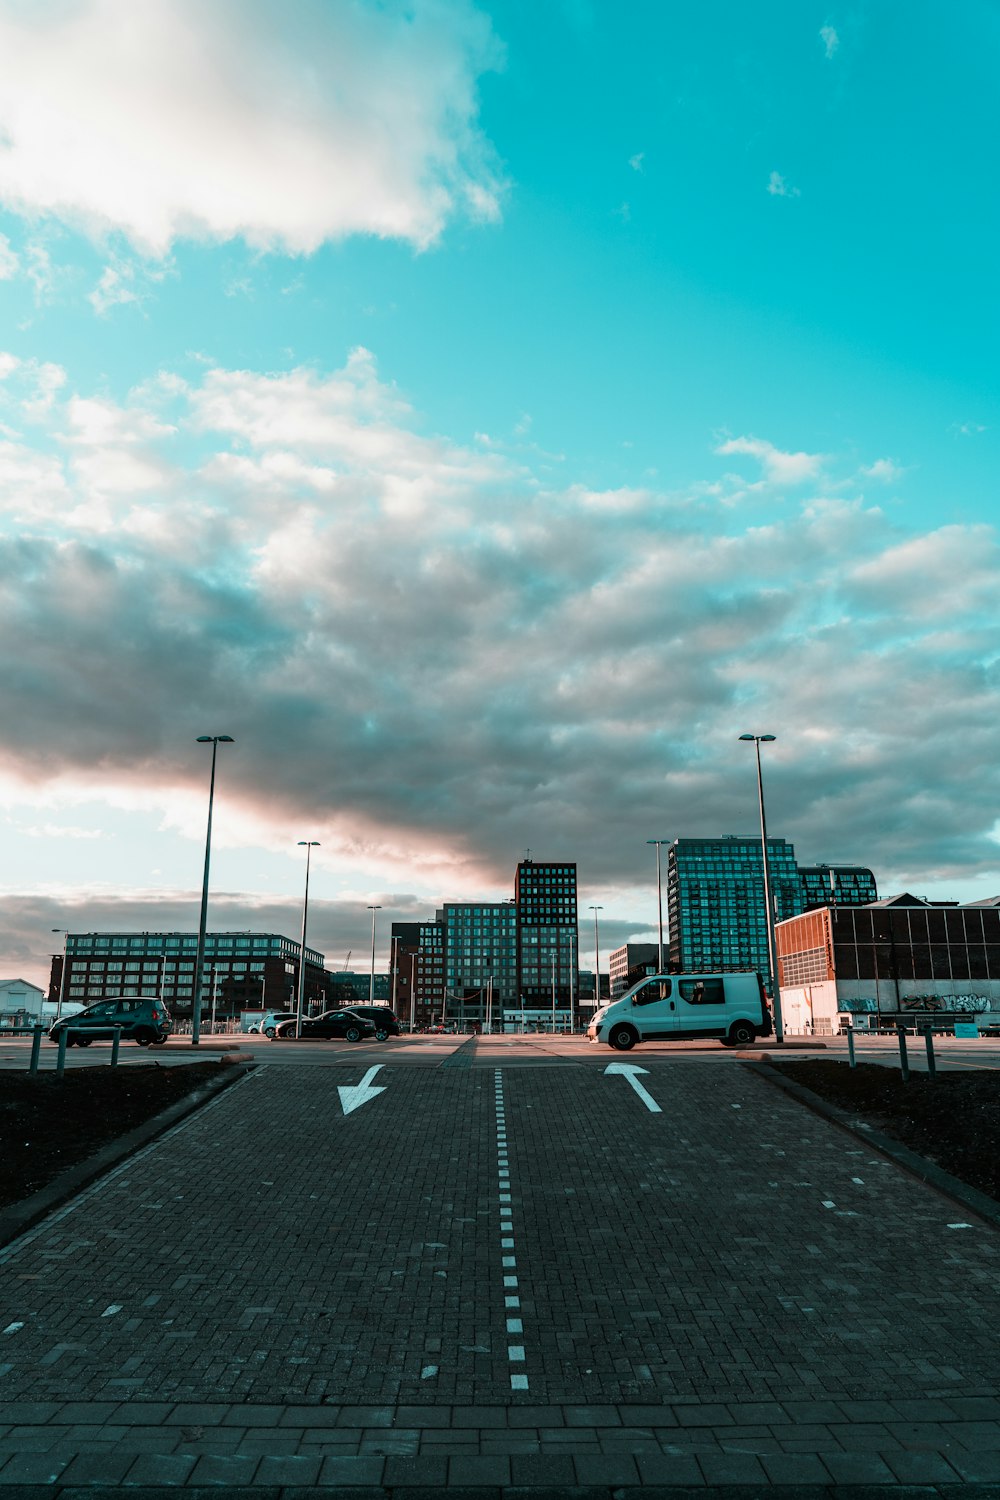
512	1300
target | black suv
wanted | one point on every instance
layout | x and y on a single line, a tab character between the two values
141	1019
381	1017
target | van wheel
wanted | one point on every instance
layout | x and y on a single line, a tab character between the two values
158	1041
623	1038
741	1034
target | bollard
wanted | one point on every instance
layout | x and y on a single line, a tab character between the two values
929	1040
36	1046
850	1045
114	1046
904	1066
61	1058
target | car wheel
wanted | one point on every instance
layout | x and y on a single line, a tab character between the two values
352	1034
144	1037
270	1033
623	1038
79	1041
742	1034
381	1035
158	1041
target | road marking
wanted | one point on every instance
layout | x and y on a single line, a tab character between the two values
357	1094
512	1300
629	1071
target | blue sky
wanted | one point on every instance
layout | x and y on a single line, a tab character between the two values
485	413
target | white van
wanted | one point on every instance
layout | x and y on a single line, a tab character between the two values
664	1007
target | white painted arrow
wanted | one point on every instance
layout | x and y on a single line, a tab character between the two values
357	1094
629	1071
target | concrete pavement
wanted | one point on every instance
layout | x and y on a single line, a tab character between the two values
497	1276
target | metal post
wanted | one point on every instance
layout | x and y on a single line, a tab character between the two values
597	960
929	1043
395	968
115	1040
413	991
904	1066
371	988
572	982
62	971
850	1044
554	994
772	947
36	1046
215	740
61	1054
308	845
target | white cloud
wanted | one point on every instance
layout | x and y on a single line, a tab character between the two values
286	126
636	161
779	188
830	39
9	263
779	467
884	470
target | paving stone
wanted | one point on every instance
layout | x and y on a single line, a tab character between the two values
602	1469
858	1468
34	1468
921	1468
224	1469
290	1468
975	1467
159	1469
406	1472
479	1470
732	1468
350	1471
795	1468
671	1469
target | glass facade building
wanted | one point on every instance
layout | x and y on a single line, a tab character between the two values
836	885
547	934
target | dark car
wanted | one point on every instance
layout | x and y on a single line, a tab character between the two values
384	1020
332	1023
140	1018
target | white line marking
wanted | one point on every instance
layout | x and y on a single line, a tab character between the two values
353	1097
628	1071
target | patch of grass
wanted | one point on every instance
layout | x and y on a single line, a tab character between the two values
952	1119
49	1123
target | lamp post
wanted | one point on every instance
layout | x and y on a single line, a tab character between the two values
215	740
371	988
395	967
772	947
659	904
597	959
572	979
308	845
62	973
413	991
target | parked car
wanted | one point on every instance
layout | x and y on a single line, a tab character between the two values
384	1020
332	1023
142	1020
272	1019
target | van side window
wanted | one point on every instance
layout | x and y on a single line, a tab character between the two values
658	990
702	991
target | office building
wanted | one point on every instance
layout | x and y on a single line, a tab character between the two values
419	961
243	971
836	885
481	948
547	936
715	902
630	963
898	957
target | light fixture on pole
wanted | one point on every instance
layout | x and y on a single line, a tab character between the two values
597	959
371	988
772	947
308	845
659	905
62	972
215	740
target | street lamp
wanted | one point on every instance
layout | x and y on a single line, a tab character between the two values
659	904
308	845
215	740
371	989
62	973
772	947
597	959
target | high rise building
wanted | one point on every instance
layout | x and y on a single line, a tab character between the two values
420	971
715	902
836	885
481	966
547	934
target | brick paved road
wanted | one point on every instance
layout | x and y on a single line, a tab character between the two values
730	1282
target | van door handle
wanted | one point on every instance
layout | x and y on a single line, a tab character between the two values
671	1005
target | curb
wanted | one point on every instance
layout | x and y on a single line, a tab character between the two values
969	1198
15	1218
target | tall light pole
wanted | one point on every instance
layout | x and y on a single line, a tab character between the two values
772	947
62	973
413	991
215	740
597	959
395	967
308	845
659	904
371	988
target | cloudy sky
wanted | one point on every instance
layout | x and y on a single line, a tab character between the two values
485	413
